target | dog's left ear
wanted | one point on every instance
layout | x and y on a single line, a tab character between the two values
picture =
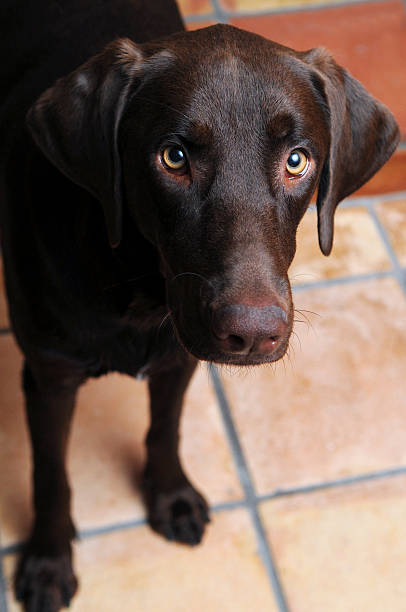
363	135
75	123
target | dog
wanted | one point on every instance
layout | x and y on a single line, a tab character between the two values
152	182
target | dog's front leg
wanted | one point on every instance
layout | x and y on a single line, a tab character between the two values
175	508
44	579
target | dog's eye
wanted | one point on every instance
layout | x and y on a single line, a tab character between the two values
297	162
174	158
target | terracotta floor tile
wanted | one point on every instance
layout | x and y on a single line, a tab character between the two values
138	570
15	511
357	248
336	408
106	452
390	178
194	7
367	38
393	217
341	550
4	322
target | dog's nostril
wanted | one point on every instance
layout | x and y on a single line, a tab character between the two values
237	344
268	345
236	341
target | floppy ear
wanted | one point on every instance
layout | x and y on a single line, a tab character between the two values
363	135
75	123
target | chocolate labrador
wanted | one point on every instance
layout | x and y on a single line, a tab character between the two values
152	181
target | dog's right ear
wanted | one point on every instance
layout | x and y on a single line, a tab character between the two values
75	123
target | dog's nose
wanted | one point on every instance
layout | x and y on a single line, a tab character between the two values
239	329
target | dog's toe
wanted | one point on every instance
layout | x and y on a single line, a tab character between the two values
45	584
180	515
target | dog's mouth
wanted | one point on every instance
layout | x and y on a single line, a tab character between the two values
246	360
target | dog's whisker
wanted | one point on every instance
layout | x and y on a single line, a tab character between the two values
304	315
164	320
206	280
308	274
126	281
289	357
299	341
301	310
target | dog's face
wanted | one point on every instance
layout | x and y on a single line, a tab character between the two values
227	160
218	139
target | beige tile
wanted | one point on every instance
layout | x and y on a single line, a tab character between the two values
110	428
357	249
337	407
393	217
138	570
106	452
4	321
15	511
342	550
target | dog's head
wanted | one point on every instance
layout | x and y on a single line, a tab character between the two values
216	140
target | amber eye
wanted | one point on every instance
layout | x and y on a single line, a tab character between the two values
297	162
174	158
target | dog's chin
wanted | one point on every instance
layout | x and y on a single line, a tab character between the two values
203	347
245	360
213	355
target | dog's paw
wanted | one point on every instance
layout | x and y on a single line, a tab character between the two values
45	584
180	515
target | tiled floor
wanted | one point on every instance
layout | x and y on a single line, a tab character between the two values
304	463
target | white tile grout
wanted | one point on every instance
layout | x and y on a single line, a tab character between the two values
332	484
3	597
277	10
399	273
244	475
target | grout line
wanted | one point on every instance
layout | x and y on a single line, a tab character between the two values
264	548
372	199
364	201
12	549
3	599
368	203
219	13
358	201
223	16
197	18
277	10
331	484
93	532
16	548
229	505
344	280
399	273
113	527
